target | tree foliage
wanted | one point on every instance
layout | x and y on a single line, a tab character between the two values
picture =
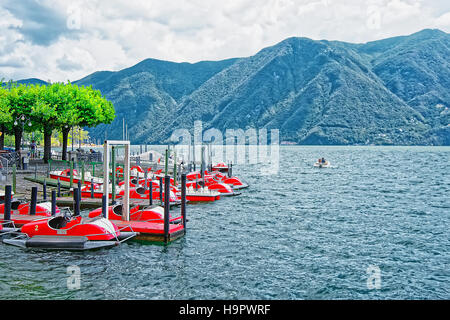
56	106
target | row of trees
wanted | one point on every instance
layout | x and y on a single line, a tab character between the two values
45	108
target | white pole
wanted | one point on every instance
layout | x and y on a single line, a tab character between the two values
106	174
126	171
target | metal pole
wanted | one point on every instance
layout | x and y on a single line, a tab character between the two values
82	172
33	201
71	174
113	178
166	208
145	180
104	202
150	196
76	203
166	164
7	211
92	188
106	176
160	190
183	200
44	190
175	168
59	187
53	203
14	178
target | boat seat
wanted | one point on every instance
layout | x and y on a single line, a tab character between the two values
15	204
118	210
57	222
140	190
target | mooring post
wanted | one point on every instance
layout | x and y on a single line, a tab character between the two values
44	190
166	208
79	191
175	168
183	200
140	149
33	203
14	178
76	202
150	195
7	211
71	174
160	190
82	172
53	203
59	187
166	163
92	188
104	206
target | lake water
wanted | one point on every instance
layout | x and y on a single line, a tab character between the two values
304	233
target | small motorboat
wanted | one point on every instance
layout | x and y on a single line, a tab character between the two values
65	232
322	163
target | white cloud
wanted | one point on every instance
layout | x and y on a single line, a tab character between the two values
111	35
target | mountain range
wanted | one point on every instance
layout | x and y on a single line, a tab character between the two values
394	91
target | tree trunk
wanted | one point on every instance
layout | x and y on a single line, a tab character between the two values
17	138
47	145
65	135
2	138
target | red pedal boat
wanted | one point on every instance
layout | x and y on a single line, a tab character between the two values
69	233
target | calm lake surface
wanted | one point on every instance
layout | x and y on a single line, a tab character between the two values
304	233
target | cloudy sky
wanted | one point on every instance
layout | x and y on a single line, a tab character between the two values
67	40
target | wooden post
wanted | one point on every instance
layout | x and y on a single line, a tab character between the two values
14	178
76	203
104	206
33	201
7	211
44	190
59	187
183	200
53	203
166	208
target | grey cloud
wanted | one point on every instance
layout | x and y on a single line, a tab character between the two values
66	64
41	25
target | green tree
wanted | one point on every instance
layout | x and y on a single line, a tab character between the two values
5	114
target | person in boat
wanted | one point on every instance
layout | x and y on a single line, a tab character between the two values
323	160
